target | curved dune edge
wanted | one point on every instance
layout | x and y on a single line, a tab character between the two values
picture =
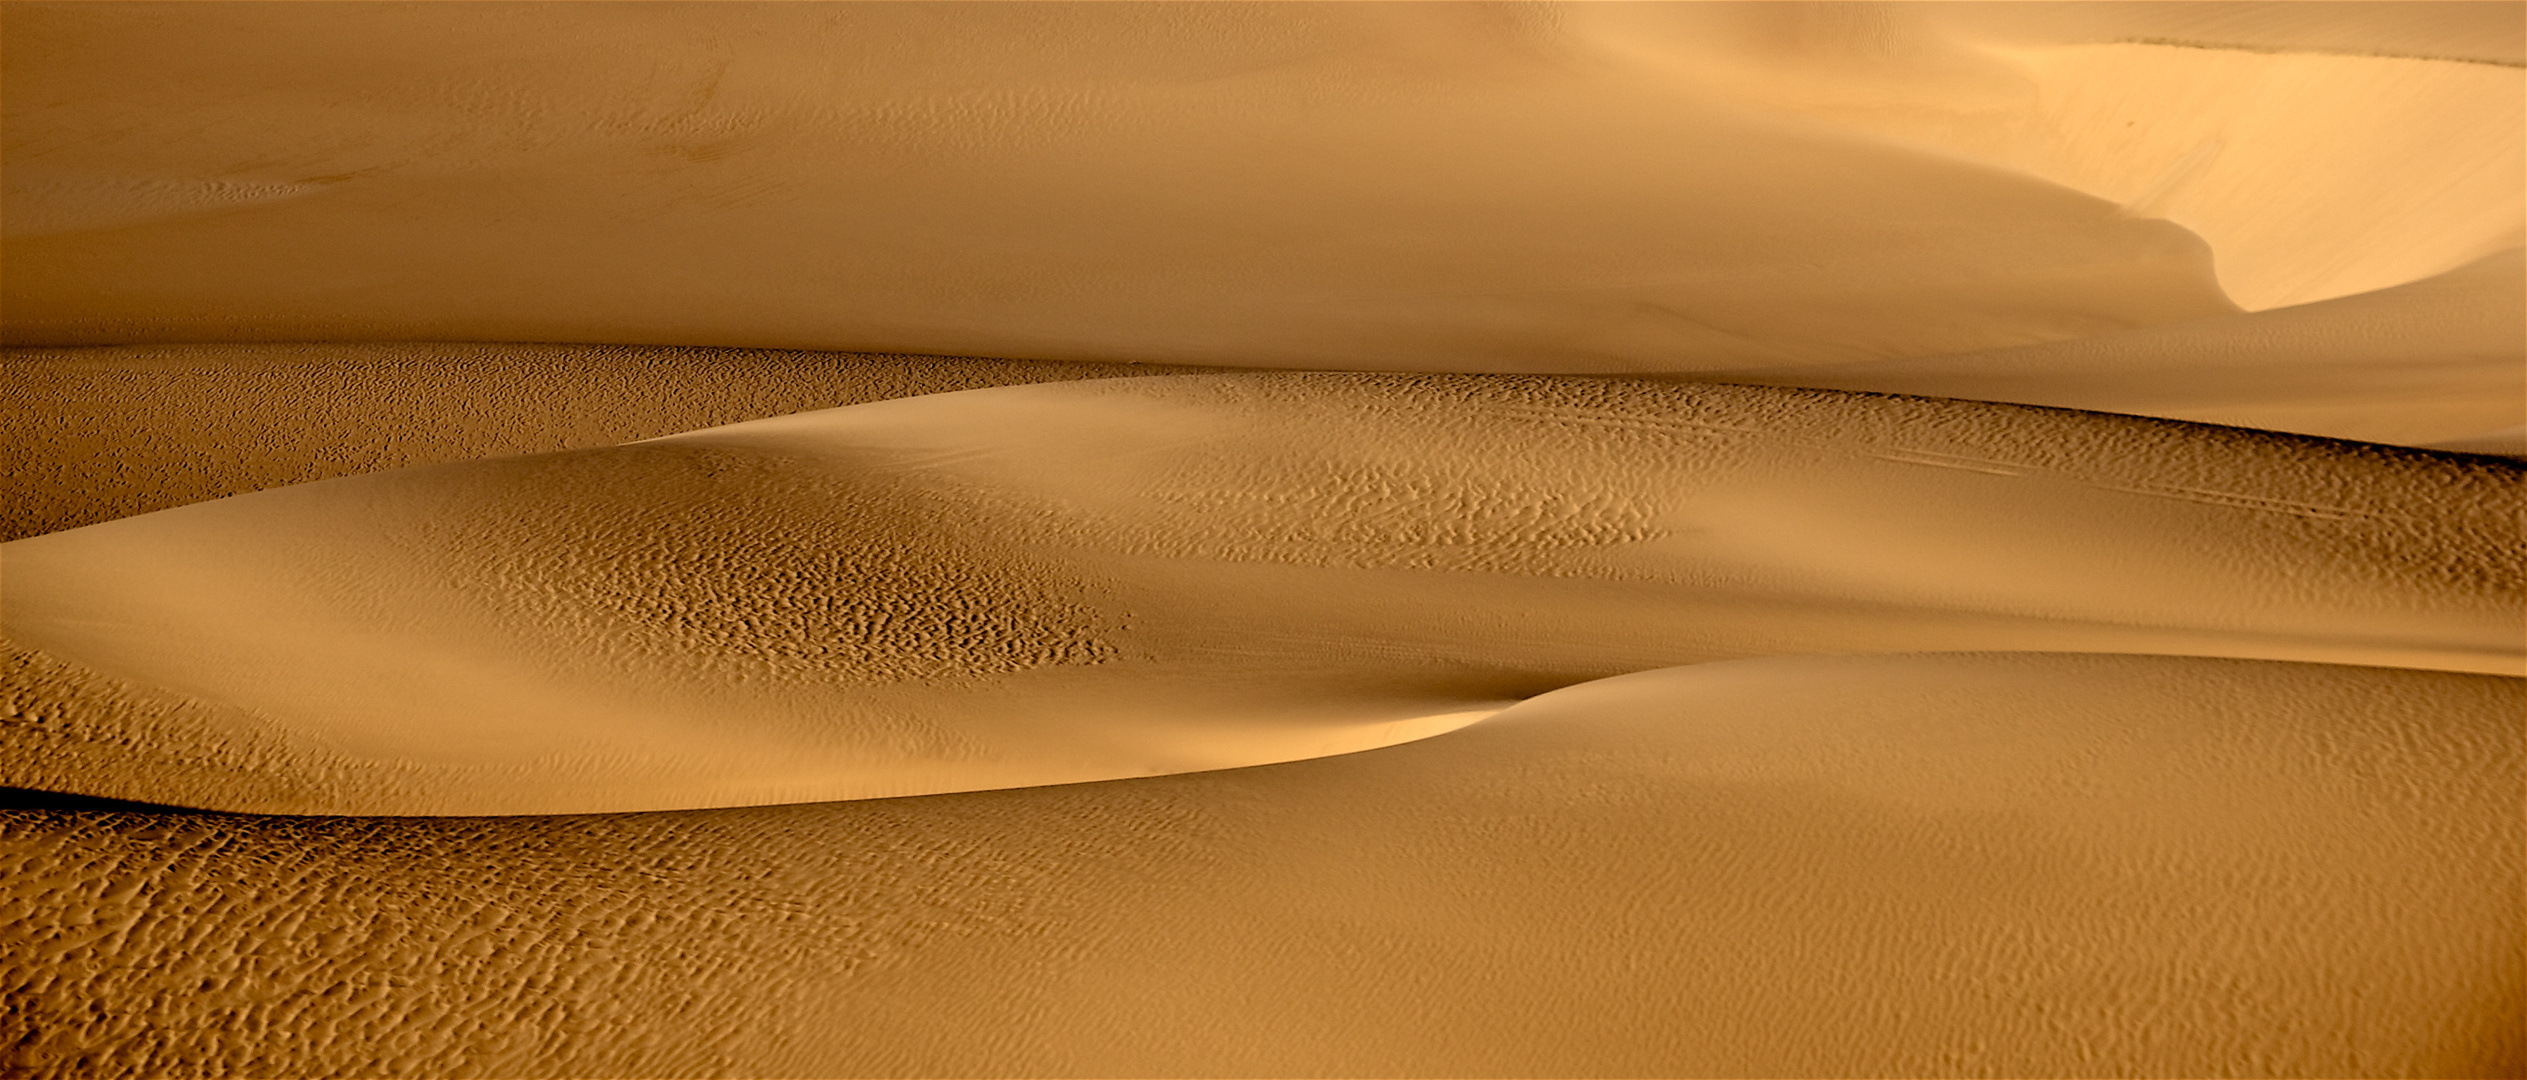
108	432
2439	362
73	730
1081	581
1998	864
104	433
2311	173
2508	442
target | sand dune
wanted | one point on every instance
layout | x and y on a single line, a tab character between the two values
1961	865
95	434
1421	187
2320	151
2047	204
1790	539
107	432
1435	188
1082	581
2442	361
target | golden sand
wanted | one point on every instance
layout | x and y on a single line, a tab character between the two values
613	540
1951	864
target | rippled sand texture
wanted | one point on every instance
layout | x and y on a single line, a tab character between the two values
1989	864
613	540
1090	580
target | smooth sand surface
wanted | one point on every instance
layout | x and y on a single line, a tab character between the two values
98	433
1923	865
1548	187
2053	204
2320	150
2441	361
1422	187
1081	581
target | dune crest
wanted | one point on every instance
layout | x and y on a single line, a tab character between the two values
109	432
1080	581
2435	362
2316	159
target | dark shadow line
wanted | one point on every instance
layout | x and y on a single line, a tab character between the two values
12	798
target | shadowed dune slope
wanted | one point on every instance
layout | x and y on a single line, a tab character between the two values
1079	581
1549	188
94	434
2437	361
2018	198
1927	865
1419	187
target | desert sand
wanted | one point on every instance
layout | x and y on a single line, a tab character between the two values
102	433
824	540
2436	362
1952	864
1089	580
1448	188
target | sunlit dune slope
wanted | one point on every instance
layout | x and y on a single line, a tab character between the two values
1951	865
94	434
2440	360
1078	581
2320	149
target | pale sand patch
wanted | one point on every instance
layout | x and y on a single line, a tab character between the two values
2321	150
2439	362
2507	443
1088	580
1928	865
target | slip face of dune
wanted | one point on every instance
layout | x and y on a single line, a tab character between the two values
1959	865
2320	151
95	434
2018	200
1438	187
1081	581
1433	188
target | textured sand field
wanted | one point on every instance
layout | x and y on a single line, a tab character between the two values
1987	864
1083	581
821	540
